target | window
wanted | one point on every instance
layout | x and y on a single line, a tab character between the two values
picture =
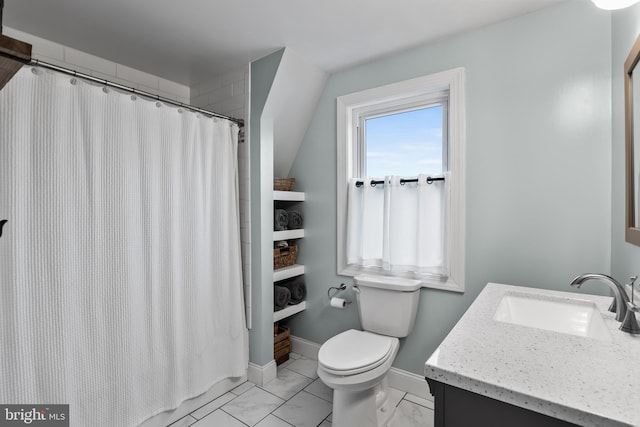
406	128
405	143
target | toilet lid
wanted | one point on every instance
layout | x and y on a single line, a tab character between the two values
355	351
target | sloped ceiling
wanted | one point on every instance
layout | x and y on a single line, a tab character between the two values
291	102
187	41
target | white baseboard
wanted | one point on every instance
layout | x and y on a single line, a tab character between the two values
409	382
165	418
308	349
398	378
260	375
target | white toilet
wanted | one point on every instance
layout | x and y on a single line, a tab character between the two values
355	363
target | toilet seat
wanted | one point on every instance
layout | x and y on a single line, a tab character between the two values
353	352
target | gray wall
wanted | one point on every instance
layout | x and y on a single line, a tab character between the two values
625	258
538	165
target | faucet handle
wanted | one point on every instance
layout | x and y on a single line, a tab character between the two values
630	322
632	280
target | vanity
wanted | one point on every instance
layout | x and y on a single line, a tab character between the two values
533	357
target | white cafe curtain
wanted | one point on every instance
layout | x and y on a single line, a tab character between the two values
398	227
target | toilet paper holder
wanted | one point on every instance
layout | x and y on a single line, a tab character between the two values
335	290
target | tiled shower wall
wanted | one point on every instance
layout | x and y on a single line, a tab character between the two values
228	94
92	65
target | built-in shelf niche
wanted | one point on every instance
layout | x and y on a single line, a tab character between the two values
292	270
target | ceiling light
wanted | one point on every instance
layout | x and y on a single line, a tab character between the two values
614	4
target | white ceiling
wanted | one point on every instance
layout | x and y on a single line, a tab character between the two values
188	40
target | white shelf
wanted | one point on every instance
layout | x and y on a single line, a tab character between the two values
288	196
288	234
289	311
288	272
293	270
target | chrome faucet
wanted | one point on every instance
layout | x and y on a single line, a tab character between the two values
625	310
619	305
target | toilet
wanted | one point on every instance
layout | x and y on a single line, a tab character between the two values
355	363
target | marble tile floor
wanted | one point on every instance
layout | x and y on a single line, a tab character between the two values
297	397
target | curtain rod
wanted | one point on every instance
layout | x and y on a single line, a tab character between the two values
402	181
37	62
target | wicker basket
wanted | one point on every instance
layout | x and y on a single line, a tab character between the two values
284	184
281	344
284	257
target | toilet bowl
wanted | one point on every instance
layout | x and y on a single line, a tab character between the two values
355	364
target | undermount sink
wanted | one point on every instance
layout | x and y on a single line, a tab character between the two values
568	316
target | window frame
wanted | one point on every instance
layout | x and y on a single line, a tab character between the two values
350	158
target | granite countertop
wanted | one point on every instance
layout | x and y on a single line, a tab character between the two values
586	381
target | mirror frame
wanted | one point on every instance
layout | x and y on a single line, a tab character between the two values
632	231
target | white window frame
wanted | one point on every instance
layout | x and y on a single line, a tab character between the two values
350	156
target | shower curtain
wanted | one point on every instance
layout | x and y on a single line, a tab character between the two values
120	270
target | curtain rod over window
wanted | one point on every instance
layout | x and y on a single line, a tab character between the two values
402	181
37	62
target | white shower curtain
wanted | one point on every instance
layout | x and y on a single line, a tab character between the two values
120	270
398	226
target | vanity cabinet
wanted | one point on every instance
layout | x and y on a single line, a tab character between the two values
283	199
455	407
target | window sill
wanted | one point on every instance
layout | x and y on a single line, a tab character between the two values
428	281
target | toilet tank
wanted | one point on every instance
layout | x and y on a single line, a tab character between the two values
387	305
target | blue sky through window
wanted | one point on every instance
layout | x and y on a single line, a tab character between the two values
405	144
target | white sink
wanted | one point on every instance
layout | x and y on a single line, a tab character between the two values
568	316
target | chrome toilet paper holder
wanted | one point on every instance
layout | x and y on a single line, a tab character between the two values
335	290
